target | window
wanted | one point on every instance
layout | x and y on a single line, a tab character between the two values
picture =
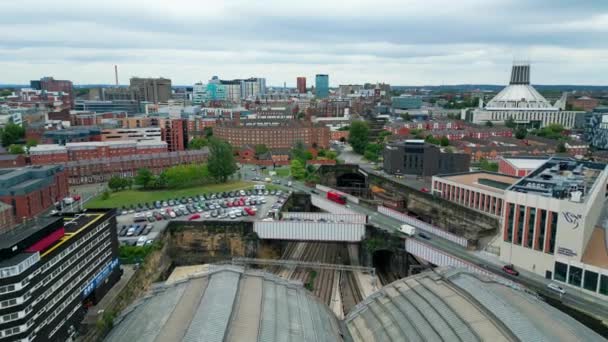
553	232
590	281
561	270
540	239
520	224
531	224
604	285
575	276
511	208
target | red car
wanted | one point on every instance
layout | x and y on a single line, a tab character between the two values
425	190
510	269
249	211
76	197
194	217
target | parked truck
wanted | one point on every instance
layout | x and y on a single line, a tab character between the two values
407	229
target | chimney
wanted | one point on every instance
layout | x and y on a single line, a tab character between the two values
116	74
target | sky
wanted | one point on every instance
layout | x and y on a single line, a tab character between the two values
401	42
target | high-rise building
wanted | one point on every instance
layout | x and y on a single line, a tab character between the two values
233	90
154	90
250	88
302	85
199	93
322	86
50	84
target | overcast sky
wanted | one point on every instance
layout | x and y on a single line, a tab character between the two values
401	42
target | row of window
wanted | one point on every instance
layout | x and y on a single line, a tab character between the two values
12	271
525	224
546	117
578	277
67	290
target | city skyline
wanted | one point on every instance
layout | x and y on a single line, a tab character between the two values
430	43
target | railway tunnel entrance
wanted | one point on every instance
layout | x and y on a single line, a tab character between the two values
351	180
382	261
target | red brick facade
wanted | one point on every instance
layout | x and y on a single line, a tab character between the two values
284	135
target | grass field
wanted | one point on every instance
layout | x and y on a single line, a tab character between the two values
128	197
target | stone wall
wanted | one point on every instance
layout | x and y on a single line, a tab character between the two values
210	241
452	217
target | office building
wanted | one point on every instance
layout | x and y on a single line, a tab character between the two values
127	106
52	269
552	223
596	129
49	84
32	190
232	90
405	102
175	133
251	88
520	102
199	93
301	81
322	86
154	90
519	166
112	94
415	157
135	134
482	191
272	133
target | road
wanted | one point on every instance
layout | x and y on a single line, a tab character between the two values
573	297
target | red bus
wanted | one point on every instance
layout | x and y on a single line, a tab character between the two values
336	197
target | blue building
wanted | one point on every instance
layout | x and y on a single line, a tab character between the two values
322	86
596	128
405	102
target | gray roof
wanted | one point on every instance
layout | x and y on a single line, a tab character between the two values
228	304
454	305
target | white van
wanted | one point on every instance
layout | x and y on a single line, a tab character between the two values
556	288
259	187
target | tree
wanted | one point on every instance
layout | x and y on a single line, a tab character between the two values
561	148
31	143
383	136
372	152
221	162
16	149
489	124
444	141
144	177
208	131
358	136
406	116
11	134
6	92
115	183
486	165
297	169
105	195
331	155
432	140
521	133
510	123
308	155
321	153
260	149
299	152
197	143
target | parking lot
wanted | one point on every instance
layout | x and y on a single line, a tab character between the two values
140	223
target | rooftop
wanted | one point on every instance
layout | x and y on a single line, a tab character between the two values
561	178
26	179
454	305
228	303
483	180
530	163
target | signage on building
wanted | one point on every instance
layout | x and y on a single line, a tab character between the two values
566	251
99	278
572	218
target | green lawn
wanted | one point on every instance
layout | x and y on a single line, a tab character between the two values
283	172
128	197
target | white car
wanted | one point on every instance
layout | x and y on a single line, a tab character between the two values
557	288
131	231
172	214
148	214
141	241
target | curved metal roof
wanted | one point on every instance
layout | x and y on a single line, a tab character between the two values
519	97
455	305
228	304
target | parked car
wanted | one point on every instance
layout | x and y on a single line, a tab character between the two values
148	229
194	217
131	231
123	231
425	190
510	269
424	236
557	288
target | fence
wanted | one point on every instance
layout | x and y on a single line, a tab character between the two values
423	226
325	217
309	231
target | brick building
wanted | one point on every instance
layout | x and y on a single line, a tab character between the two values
53	154
274	134
520	166
6	217
175	133
31	190
585	103
50	84
137	134
102	169
12	160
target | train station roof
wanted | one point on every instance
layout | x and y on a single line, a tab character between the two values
455	305
228	304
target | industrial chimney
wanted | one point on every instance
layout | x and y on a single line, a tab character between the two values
116	74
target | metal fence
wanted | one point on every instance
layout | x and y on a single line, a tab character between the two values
326	217
309	231
423	226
